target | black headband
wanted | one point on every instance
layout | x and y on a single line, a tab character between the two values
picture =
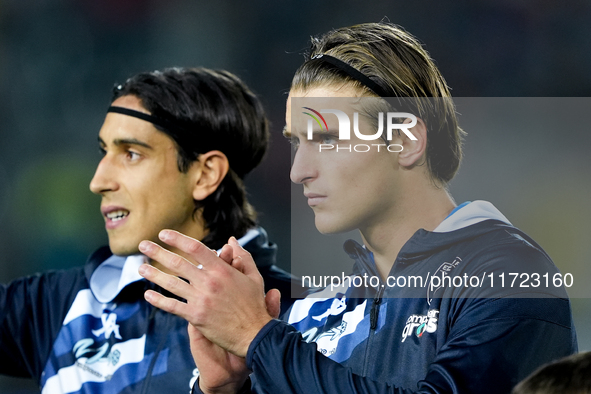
165	124
353	73
203	142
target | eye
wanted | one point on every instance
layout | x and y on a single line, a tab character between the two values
133	156
102	151
327	139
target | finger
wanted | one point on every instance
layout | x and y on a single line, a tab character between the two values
226	254
273	302
194	333
238	264
172	261
249	266
168	282
168	304
195	338
196	249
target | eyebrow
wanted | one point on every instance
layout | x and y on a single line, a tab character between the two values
126	141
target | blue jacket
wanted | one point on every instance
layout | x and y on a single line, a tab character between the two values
404	337
89	329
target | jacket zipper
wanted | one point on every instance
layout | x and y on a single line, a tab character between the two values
375	309
374	313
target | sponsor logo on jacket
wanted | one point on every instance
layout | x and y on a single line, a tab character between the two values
419	324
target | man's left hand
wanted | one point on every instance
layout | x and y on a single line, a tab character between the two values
226	304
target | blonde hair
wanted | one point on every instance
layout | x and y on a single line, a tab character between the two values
396	61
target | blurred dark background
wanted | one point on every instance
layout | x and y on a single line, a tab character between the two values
60	58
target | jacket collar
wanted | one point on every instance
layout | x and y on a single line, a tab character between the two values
470	220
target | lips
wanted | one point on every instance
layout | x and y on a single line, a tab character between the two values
314	198
114	216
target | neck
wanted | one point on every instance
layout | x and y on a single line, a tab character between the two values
424	208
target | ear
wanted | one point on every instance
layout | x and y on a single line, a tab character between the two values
413	150
210	170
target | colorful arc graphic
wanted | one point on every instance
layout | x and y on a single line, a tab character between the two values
315	118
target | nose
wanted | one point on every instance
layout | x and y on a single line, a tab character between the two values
303	169
103	180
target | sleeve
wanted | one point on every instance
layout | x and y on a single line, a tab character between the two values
244	390
282	362
32	310
497	343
